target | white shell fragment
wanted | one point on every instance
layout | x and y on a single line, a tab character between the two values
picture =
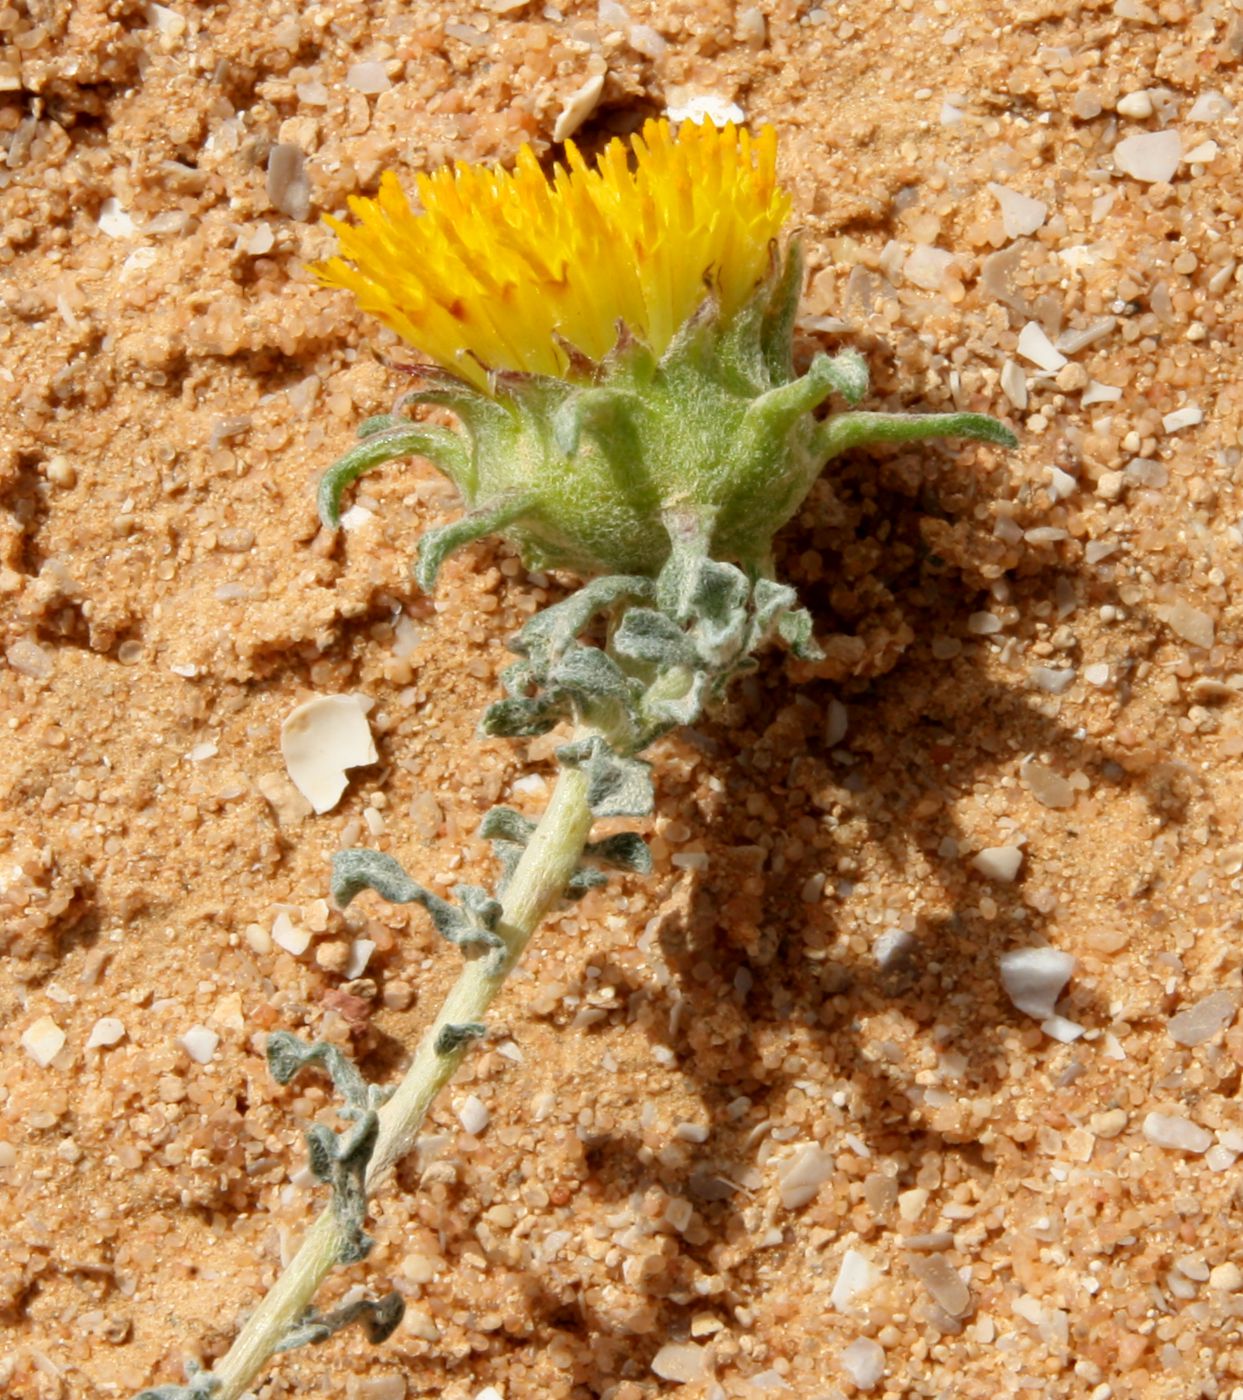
320	740
804	1174
43	1040
114	221
704	107
1020	214
1035	346
1034	979
1150	156
580	105
1181	418
855	1276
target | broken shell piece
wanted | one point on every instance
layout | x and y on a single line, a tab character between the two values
320	740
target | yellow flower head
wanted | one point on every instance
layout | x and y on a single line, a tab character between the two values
502	269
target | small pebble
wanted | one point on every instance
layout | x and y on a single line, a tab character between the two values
942	1282
1202	1021
43	1040
681	1362
106	1031
369	78
200	1043
864	1362
1135	105
1179	1134
998	862
473	1115
1151	156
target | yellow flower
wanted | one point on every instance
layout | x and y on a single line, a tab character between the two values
501	270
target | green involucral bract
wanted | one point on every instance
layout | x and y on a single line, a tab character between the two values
717	438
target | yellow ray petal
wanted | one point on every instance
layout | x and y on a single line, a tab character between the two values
499	267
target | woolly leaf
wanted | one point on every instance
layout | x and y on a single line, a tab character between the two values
455	1035
649	636
551	632
627	850
380	1317
616	786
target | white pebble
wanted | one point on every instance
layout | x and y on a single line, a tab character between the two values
1034	978
1151	156
1135	105
1020	214
43	1040
1061	484
1035	345
369	78
856	1274
106	1031
361	950
1062	1029
1053	680
928	267
1097	674
1181	418
200	1043
864	1362
473	1115
998	862
1179	1134
681	1362
1202	1021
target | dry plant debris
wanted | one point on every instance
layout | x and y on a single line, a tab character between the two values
815	971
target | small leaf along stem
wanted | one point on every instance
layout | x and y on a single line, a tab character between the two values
548	862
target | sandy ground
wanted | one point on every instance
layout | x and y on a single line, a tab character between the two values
1033	655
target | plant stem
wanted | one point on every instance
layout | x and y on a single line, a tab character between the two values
550	858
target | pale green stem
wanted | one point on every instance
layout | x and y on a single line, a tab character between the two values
551	857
